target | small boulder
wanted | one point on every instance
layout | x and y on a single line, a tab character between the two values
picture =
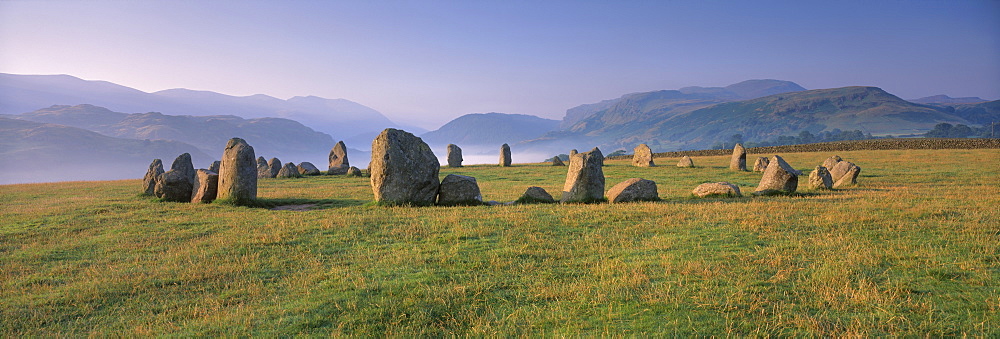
739	160
459	190
238	173
717	189
535	195
307	168
173	185
685	162
505	156
761	164
149	181
585	178
403	170
275	166
454	156
841	168
263	169
353	172
642	156
830	162
819	178
779	178
338	159
849	178
634	189
206	186
557	162
289	171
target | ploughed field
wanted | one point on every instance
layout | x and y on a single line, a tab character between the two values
913	249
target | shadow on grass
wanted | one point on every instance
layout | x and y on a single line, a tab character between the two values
301	204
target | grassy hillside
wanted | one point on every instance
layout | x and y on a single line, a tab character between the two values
911	251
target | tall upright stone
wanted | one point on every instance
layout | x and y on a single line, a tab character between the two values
642	156
263	169
504	156
403	169
819	179
454	156
685	162
206	186
739	160
779	178
184	165
238	173
585	178
761	164
275	166
573	152
338	159
149	181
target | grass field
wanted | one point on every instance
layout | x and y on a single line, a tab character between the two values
913	250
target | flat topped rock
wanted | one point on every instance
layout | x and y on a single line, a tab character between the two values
721	188
403	170
634	189
459	190
206	186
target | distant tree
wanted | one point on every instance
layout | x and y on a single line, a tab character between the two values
941	130
960	131
805	137
617	153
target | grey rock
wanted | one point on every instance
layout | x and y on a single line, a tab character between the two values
307	168
779	178
841	168
535	194
505	156
338	159
206	186
585	178
149	181
557	162
459	190
263	169
642	156
173	185
403	169
634	189
739	160
830	162
761	164
573	152
214	167
721	188
238	173
353	172
849	178
454	156
685	161
289	171
819	178
275	166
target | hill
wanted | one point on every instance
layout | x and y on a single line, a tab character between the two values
39	152
489	129
944	99
982	113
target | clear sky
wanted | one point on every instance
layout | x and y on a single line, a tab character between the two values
427	62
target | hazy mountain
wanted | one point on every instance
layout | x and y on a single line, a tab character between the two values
490	129
39	152
980	114
944	99
668	120
689	97
283	138
338	117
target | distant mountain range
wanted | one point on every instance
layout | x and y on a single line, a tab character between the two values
490	129
944	99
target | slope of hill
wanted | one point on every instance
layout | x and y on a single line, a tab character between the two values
980	114
490	129
37	152
944	99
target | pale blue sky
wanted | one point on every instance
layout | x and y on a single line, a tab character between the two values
427	62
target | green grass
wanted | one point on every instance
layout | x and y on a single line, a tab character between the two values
911	251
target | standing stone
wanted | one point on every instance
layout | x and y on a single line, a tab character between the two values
721	188
454	156
739	160
338	159
263	169
459	190
840	169
635	189
849	178
535	194
819	178
642	156
275	166
214	167
403	169
504	156
761	164
353	172
307	168
830	162
289	171
557	162
573	152
174	185
238	173
779	178
149	181
206	186
685	162
585	179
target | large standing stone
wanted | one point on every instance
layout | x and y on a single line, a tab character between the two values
238	173
585	179
840	169
149	181
214	167
459	190
849	178
642	156
535	194
275	166
761	164
779	178
685	162
403	169
289	171
717	189
338	159
174	185
819	178
557	162
454	156
206	186
739	160
573	152
635	189
307	168
263	169
504	156
830	162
